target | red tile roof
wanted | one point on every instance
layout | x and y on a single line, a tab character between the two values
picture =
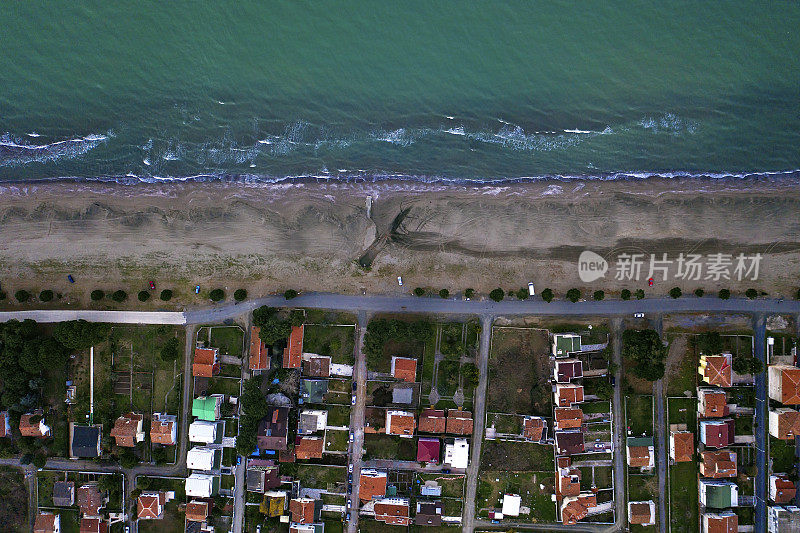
302	510
532	428
309	448
125	428
568	417
161	432
781	490
718	464
3	420
371	486
392	512
569	442
93	525
28	428
459	422
318	366
790	386
713	403
567	369
566	395
722	524
719	433
150	506
89	499
197	511
788	424
432	421
639	456
404	368
639	513
205	362
400	424
569	479
683	446
717	370
428	450
577	509
293	353
45	523
259	353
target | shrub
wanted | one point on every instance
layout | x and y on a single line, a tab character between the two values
745	364
3	295
39	460
646	349
522	294
639	294
724	294
127	459
547	295
46	295
80	334
240	295
709	343
699	293
797	296
143	296
625	294
469	293
22	295
170	350
119	296
166	295
216	295
289	294
97	295
675	292
751	293
598	295
573	295
511	292
273	327
497	294
419	291
444	293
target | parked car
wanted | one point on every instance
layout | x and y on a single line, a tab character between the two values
613	381
348	516
349	478
400	280
70	278
531	290
353	400
349	489
638	315
197	289
350	467
355	386
351	436
152	285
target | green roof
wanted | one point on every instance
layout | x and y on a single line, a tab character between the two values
634	442
566	344
314	390
718	496
205	408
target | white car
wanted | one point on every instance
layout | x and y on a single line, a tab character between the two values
351	437
638	315
353	400
531	289
400	280
350	468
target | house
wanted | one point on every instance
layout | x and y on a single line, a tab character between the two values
400	423
202	485
205	432
32	425
64	493
456	453
640	452
163	429
575	508
293	353
197	510
309	448
722	522
262	475
428	450
718	494
318	366
273	429
568	417
206	362
643	513
569	394
47	523
372	484
428	513
306	528
784	384
305	510
719	464
459	422
313	390
404	368
781	489
203	458
716	369
784	423
259	352
717	433
681	446
569	442
712	403
403	395
432	421
393	511
274	503
565	344
85	442
151	504
783	518
311	421
5	426
90	500
207	407
569	478
511	504
534	428
565	370
93	525
127	430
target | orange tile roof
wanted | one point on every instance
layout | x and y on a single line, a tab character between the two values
259	353
790	386
161	432
639	513
205	364
125	428
93	525
788	424
722	524
293	353
713	403
197	511
392	512
404	368
371	486
401	424
150	506
717	370
45	523
569	479
566	395
683	446
309	448
568	417
577	509
302	510
89	499
318	366
718	464
784	491
532	428
28	428
432	421
638	456
459	422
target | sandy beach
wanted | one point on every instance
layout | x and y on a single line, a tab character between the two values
309	235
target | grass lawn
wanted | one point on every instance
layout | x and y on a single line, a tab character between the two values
366	525
508	424
45	481
70	521
519	372
493	484
173	521
322	477
682	377
596	407
742	396
336	440
229	339
744	425
425	367
639	414
452	506
336	341
339	415
642	488
683	411
683	498
516	456
447	381
223	385
390	447
782	454
13	500
746	515
452	484
253	518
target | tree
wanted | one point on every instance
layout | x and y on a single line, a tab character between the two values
39	460
644	347
171	350
273	327
469	293
382	396
625	294
22	295
639	294
290	294
497	294
80	334
709	343
598	295
751	293
297	317
46	295
699	293
143	296
444	293
97	295
547	295
166	295
240	295
573	295
127	460
522	294
119	296
52	354
3	295
216	295
419	291
724	294
744	364
470	373
675	292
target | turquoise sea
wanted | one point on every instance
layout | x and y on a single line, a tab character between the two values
429	90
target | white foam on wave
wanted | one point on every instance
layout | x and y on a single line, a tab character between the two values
14	151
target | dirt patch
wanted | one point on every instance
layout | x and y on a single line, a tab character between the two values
519	368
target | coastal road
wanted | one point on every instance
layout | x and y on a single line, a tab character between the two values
762	402
620	509
357	419
479	418
116	317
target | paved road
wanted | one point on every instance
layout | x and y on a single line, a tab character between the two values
240	470
662	461
762	402
620	509
357	419
116	317
479	417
